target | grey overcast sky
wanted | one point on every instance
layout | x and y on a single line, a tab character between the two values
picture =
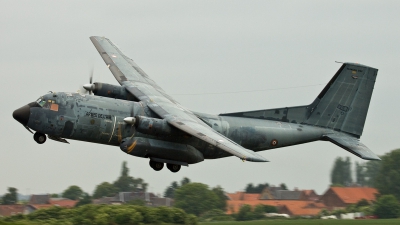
191	47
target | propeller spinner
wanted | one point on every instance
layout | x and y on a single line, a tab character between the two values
131	119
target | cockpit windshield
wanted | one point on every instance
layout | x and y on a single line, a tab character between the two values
49	104
41	102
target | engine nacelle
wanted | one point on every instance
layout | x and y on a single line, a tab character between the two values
154	126
112	91
152	148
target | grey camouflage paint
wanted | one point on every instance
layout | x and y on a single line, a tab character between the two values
167	132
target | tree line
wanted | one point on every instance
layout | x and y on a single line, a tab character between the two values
383	175
124	183
105	214
196	198
211	202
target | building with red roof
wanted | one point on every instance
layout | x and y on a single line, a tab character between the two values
45	201
290	207
309	195
243	196
340	197
10	210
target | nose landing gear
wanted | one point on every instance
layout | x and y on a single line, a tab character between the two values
39	138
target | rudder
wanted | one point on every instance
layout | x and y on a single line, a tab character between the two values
343	104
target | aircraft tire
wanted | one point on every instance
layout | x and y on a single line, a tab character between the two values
173	167
39	138
157	166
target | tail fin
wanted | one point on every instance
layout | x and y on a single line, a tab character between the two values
343	103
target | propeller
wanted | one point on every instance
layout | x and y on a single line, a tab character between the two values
88	87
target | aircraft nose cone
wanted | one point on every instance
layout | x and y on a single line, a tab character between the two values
22	114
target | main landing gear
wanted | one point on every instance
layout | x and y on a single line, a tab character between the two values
39	138
157	166
173	167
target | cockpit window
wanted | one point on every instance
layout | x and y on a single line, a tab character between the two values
49	104
41	102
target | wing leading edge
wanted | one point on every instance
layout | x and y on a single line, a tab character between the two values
139	84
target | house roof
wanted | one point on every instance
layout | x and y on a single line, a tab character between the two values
39	199
243	196
106	200
293	205
351	195
63	203
302	210
8	210
309	192
277	193
123	197
286	194
309	195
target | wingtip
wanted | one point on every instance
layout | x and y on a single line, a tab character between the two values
372	158
256	159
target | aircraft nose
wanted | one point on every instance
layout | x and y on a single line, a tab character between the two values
22	114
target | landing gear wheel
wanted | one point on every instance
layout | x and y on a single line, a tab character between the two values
157	166
39	138
173	167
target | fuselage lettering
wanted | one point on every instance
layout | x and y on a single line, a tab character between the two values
98	115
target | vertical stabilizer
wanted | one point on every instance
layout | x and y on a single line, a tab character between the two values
343	103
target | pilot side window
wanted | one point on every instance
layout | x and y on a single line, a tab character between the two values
41	102
50	104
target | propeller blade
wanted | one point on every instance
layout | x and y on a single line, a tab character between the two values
91	75
82	90
88	87
26	127
132	117
91	81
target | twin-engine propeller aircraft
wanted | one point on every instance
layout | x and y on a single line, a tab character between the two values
144	121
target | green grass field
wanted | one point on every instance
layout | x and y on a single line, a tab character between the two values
309	222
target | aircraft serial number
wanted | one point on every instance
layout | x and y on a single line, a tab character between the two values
343	108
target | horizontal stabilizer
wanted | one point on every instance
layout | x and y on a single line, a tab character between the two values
352	145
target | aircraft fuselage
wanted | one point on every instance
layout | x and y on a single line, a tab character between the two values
101	120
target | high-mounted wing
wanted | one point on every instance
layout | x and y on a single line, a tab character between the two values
138	83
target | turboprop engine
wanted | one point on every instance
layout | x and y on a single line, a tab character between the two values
164	151
110	91
154	126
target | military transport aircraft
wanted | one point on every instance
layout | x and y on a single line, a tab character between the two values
144	121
